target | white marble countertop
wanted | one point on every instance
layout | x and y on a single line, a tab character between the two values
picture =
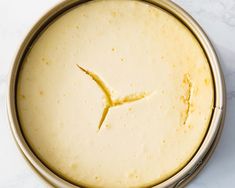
217	17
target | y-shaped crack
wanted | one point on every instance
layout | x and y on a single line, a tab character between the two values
109	102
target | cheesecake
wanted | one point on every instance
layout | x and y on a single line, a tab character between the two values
115	94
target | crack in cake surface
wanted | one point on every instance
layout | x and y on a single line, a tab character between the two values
100	83
109	101
187	98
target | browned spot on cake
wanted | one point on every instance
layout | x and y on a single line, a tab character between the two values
41	92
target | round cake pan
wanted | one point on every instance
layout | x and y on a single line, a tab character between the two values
181	178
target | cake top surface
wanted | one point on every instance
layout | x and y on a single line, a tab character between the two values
115	94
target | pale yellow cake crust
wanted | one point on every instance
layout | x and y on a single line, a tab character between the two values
115	94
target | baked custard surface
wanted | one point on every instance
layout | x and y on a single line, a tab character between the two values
115	94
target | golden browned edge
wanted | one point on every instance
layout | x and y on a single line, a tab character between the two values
190	170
